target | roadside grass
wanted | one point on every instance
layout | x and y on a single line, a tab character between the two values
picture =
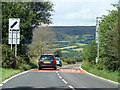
114	76
0	74
7	73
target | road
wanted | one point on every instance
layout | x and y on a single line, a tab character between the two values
68	76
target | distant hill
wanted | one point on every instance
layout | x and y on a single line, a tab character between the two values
73	39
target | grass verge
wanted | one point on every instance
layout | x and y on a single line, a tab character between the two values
7	73
114	76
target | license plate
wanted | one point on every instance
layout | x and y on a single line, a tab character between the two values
46	62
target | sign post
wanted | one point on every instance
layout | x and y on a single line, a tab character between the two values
98	19
14	33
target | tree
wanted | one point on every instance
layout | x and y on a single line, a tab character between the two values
90	53
58	53
109	41
31	14
43	37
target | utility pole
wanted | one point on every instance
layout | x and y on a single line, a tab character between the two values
98	19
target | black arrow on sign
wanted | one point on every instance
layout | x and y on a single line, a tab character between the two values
14	24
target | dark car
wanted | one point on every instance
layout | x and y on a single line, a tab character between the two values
58	61
47	61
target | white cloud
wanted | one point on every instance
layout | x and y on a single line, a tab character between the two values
80	12
81	1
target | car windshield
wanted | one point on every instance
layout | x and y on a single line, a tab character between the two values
47	57
57	59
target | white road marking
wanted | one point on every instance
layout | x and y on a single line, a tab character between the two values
64	81
1	85
60	77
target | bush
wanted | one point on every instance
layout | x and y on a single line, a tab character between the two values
8	57
10	61
69	60
24	67
90	53
79	59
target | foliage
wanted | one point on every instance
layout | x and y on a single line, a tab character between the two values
31	14
80	59
90	53
69	60
43	37
9	60
109	41
109	36
58	53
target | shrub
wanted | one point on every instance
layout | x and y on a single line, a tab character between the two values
90	53
24	67
70	60
10	61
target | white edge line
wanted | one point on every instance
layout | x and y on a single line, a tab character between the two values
13	77
1	85
98	76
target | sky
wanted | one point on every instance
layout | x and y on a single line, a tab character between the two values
80	12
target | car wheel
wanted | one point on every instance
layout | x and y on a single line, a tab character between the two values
55	68
40	68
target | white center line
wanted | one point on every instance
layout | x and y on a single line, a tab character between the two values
60	77
70	86
64	81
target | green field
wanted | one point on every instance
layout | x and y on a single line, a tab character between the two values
65	51
71	39
63	41
80	44
67	47
78	49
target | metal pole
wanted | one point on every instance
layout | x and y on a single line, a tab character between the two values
11	39
97	35
16	45
97	41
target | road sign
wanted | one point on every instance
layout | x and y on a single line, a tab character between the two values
14	23
14	31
